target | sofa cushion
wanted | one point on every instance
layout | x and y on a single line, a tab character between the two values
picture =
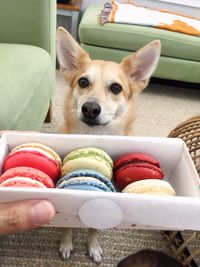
168	67
26	84
132	37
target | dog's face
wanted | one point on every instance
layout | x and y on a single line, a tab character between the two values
103	90
100	92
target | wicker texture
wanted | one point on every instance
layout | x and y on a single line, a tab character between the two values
186	244
189	131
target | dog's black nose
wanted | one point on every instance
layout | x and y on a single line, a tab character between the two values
91	110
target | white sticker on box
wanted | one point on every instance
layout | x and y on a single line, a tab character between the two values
100	214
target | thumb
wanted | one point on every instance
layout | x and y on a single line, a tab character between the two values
24	215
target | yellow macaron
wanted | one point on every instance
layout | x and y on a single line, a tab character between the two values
150	187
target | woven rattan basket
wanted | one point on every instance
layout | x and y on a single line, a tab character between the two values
186	244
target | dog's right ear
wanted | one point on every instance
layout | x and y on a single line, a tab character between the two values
70	54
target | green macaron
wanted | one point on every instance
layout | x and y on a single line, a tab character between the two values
88	158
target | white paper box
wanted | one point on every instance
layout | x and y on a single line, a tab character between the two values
101	210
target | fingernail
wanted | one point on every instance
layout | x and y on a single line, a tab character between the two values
42	212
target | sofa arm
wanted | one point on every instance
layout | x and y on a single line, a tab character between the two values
31	22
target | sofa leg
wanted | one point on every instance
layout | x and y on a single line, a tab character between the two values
49	114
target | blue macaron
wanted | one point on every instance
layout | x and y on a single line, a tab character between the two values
85	179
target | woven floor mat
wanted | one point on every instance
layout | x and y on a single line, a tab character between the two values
39	248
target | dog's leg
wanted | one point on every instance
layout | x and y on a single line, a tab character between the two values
94	248
66	245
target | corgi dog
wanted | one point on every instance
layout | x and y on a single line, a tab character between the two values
101	97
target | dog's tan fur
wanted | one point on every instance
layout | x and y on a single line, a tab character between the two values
117	110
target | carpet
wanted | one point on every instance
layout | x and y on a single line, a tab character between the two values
160	109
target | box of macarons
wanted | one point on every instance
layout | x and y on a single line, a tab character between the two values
103	181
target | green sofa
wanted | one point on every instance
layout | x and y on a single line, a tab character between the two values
180	57
27	62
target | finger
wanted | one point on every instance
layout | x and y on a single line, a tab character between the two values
24	215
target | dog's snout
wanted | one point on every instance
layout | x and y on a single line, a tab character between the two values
91	110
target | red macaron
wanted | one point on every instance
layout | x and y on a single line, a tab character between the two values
36	156
25	177
134	167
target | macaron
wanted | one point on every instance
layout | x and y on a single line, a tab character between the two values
134	167
150	187
86	180
84	183
88	158
25	177
36	156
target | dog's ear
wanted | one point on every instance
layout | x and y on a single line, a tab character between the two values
141	65
70	54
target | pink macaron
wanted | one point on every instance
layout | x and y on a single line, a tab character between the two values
25	177
134	167
36	156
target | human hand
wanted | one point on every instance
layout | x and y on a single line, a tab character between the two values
16	217
24	215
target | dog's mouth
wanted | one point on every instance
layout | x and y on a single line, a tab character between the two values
94	122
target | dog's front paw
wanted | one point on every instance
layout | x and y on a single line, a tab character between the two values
65	249
96	253
66	245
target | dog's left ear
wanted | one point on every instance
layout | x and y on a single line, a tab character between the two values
70	54
141	65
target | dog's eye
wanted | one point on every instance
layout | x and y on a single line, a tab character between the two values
115	88
83	82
